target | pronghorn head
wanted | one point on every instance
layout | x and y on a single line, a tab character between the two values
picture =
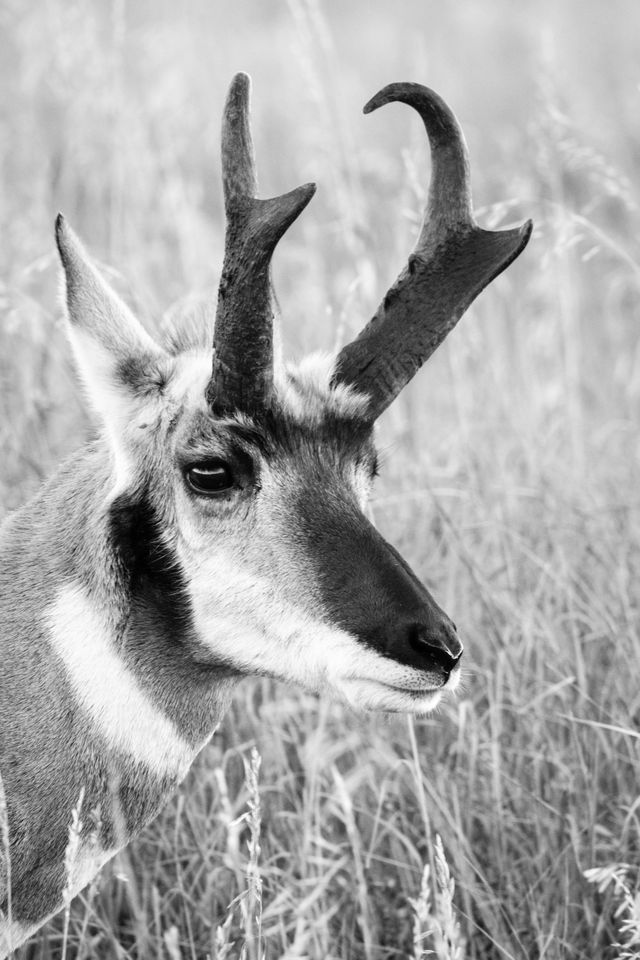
237	485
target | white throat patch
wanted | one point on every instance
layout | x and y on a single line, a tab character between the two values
108	692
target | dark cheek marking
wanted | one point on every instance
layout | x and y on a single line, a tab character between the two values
151	571
159	637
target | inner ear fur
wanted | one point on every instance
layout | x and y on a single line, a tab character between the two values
118	360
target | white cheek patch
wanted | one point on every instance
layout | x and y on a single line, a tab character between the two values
108	692
307	395
240	618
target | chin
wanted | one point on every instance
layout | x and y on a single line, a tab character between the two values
363	694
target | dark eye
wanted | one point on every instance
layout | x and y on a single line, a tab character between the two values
209	477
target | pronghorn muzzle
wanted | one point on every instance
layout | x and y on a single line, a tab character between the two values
423	634
369	590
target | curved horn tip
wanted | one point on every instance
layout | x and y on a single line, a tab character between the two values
439	119
414	94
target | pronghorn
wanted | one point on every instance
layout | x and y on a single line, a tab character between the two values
216	528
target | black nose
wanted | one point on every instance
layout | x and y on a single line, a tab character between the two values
434	645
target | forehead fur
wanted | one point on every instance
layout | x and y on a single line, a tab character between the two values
192	332
333	441
311	423
304	392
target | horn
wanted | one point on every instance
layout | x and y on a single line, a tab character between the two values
452	262
242	374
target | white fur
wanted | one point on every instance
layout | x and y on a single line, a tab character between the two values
303	389
107	691
189	379
93	305
13	934
103	332
307	394
109	399
124	415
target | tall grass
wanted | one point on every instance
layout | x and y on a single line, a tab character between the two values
510	477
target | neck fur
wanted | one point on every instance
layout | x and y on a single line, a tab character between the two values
100	702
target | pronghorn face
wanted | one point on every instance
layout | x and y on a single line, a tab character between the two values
287	577
259	519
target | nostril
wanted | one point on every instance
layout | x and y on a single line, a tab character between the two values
453	642
442	648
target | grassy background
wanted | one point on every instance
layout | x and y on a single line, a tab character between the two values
511	467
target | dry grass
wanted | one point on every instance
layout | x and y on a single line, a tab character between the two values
511	477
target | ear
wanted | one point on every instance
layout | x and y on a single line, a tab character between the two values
122	367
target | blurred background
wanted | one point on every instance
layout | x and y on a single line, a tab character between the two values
510	465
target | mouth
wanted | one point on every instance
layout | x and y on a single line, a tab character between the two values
365	694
